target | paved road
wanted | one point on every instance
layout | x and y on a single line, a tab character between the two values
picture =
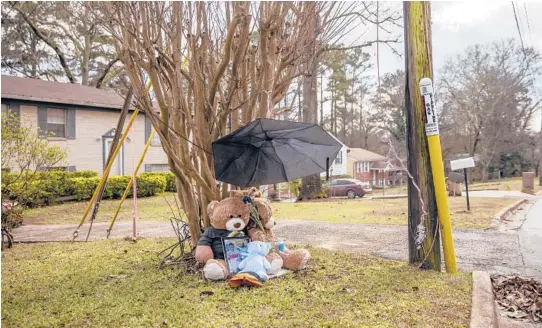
530	238
495	252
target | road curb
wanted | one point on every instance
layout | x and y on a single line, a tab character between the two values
483	310
504	213
388	197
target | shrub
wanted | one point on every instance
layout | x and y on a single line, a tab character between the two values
84	174
146	186
171	185
84	187
115	186
295	187
56	183
31	194
150	185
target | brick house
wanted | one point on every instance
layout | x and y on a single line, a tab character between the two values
83	120
371	167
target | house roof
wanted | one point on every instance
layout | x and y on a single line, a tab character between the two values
334	137
385	165
360	154
23	88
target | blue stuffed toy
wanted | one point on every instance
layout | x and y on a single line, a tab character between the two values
254	267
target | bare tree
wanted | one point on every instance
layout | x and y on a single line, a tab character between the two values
58	41
206	62
330	23
487	93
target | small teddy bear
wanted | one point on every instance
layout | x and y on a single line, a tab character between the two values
254	267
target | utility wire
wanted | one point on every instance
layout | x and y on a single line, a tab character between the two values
517	25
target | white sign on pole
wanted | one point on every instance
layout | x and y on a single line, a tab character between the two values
462	163
430	118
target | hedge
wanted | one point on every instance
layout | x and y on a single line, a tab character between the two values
146	186
171	185
49	186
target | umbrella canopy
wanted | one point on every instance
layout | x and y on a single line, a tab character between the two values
269	151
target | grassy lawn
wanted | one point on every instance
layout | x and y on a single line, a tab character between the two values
365	211
389	211
149	209
117	284
507	184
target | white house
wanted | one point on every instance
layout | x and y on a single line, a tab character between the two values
339	165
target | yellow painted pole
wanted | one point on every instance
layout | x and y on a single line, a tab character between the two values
109	165
127	190
437	167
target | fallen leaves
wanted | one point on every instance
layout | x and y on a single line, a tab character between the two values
518	297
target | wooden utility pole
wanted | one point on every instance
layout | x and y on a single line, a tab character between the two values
418	64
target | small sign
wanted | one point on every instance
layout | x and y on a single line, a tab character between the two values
462	163
456	177
430	115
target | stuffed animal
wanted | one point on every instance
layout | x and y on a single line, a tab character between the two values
254	267
228	216
292	259
250	192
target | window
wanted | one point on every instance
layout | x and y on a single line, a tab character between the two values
362	167
339	158
159	168
56	122
155	140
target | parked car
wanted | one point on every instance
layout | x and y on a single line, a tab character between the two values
367	187
350	188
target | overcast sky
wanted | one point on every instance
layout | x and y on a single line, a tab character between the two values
457	25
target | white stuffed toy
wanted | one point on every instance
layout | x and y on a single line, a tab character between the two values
254	267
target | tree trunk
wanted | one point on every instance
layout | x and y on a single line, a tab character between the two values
333	122
311	186
33	46
418	65
300	108
322	99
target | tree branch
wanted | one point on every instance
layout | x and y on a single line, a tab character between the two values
50	43
105	72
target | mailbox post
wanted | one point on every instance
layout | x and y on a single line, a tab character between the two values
464	163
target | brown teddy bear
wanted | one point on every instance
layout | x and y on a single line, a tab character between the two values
227	216
250	192
231	214
292	259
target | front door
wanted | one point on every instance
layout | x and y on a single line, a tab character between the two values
118	165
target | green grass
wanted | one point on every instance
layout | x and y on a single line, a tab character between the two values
117	284
507	184
365	211
388	211
148	209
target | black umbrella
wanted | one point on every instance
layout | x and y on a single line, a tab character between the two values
268	151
